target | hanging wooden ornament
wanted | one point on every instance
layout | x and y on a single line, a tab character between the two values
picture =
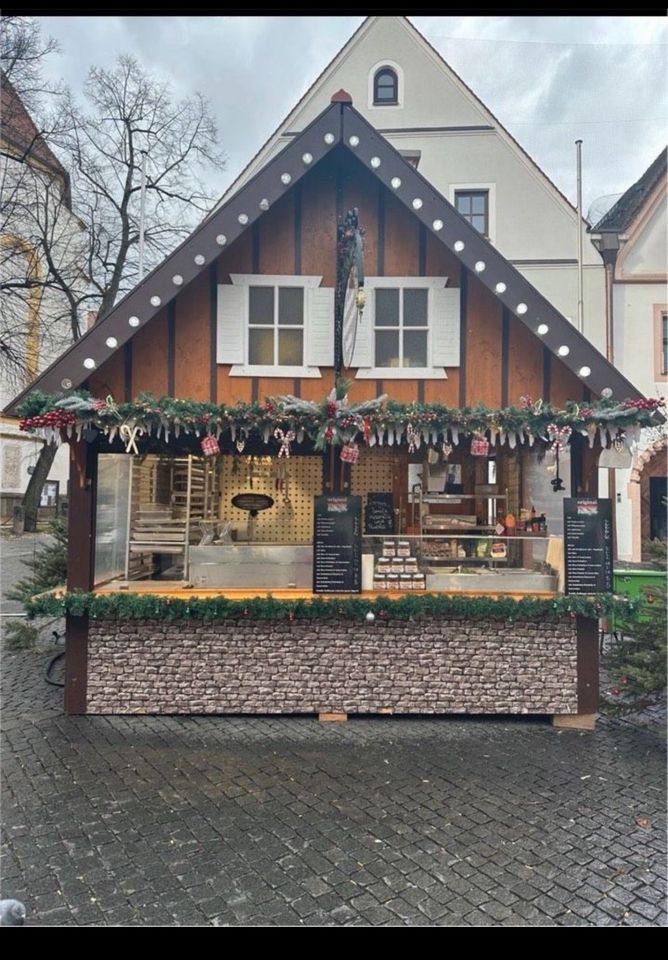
210	447
350	453
479	446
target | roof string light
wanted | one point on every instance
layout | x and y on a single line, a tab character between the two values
500	287
221	239
395	183
479	266
542	329
563	350
111	342
459	245
133	321
437	225
521	308
584	371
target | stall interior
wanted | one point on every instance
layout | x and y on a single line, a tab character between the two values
434	519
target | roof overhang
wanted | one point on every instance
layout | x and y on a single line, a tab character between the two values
338	124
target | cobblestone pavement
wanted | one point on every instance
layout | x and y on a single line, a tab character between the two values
229	821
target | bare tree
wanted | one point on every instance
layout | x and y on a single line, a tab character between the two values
72	267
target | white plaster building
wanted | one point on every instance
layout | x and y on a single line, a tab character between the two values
633	237
405	89
35	326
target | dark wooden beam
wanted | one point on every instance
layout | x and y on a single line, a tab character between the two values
213	331
297	194
171	348
127	371
381	231
547	374
76	664
505	354
463	315
587	660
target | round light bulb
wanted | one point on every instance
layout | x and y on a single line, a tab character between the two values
111	342
606	392
459	245
177	279
221	239
479	266
522	308
370	617
133	321
243	218
329	138
584	371
307	158
437	224
417	203
354	141
542	329
500	288
155	301
375	162
563	350
66	383
89	363
395	183
199	259
285	178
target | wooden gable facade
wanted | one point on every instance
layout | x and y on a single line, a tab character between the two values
162	337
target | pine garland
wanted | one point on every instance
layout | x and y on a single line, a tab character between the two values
334	420
426	606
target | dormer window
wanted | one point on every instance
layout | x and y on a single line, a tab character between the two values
385	88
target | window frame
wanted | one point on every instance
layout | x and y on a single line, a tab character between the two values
377	102
473	187
470	193
401	328
276	281
405	373
660	342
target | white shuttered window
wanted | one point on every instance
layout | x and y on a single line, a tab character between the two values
411	329
275	326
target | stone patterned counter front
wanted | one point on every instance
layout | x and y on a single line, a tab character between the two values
426	667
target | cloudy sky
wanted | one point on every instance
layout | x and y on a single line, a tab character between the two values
549	80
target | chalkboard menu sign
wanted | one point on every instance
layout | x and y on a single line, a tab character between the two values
588	545
379	513
337	545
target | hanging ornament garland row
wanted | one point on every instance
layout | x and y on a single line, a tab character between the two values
338	422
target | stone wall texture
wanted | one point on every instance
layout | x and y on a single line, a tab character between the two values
439	666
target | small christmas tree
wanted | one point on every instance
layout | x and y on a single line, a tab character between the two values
636	663
48	566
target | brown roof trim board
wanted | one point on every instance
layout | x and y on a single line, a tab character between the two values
337	124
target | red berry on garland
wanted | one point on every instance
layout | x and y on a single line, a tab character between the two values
291	616
625	680
615	691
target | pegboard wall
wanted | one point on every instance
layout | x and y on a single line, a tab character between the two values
372	472
292	483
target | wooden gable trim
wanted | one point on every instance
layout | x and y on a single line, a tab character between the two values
341	124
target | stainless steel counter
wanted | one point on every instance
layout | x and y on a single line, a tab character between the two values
252	565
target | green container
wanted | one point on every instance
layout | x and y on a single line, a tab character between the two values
636	585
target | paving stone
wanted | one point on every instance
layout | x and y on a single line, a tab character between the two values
238	821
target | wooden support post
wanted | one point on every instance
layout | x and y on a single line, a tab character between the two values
80	566
587	668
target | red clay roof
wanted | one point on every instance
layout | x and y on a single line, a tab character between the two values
19	130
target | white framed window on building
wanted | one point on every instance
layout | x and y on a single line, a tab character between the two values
409	329
275	326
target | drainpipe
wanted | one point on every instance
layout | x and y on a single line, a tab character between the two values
608	247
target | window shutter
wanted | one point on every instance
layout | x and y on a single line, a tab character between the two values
444	322
319	315
232	322
363	353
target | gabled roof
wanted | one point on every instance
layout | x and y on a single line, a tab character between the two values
620	217
422	41
338	125
20	133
